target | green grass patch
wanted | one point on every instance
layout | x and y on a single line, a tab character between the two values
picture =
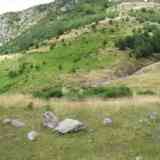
77	93
33	72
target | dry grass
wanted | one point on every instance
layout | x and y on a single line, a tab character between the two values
113	104
12	56
19	100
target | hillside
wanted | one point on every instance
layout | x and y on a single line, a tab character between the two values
46	21
13	24
91	63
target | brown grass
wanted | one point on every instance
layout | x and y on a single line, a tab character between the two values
60	105
19	100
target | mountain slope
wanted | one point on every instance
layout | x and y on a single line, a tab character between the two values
13	24
54	20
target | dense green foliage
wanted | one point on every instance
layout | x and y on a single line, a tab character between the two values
77	93
144	42
143	15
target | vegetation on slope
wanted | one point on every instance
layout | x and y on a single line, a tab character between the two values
39	70
144	15
56	23
144	42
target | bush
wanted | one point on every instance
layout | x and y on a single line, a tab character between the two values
16	70
110	92
146	92
81	93
143	43
49	93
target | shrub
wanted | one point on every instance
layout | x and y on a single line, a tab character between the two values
49	93
80	93
143	43
146	92
110	92
16	70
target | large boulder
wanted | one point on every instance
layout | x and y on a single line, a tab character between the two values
50	120
69	125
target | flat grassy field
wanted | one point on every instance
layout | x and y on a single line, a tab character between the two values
133	134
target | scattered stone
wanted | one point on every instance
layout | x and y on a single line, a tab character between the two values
91	130
69	125
6	121
143	120
32	135
152	115
14	122
139	158
50	120
17	123
107	121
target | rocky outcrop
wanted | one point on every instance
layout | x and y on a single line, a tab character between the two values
13	24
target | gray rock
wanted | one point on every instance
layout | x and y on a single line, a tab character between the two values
7	121
17	123
32	135
50	120
69	125
139	158
152	115
13	122
107	121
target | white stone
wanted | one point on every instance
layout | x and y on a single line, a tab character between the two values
69	125
13	122
17	123
6	121
107	121
32	135
139	158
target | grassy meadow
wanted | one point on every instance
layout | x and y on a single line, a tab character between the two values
133	134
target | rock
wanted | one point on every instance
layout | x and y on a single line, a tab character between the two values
152	115
139	158
14	122
6	121
107	121
32	135
69	125
50	120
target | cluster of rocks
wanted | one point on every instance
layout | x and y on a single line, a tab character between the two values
50	120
